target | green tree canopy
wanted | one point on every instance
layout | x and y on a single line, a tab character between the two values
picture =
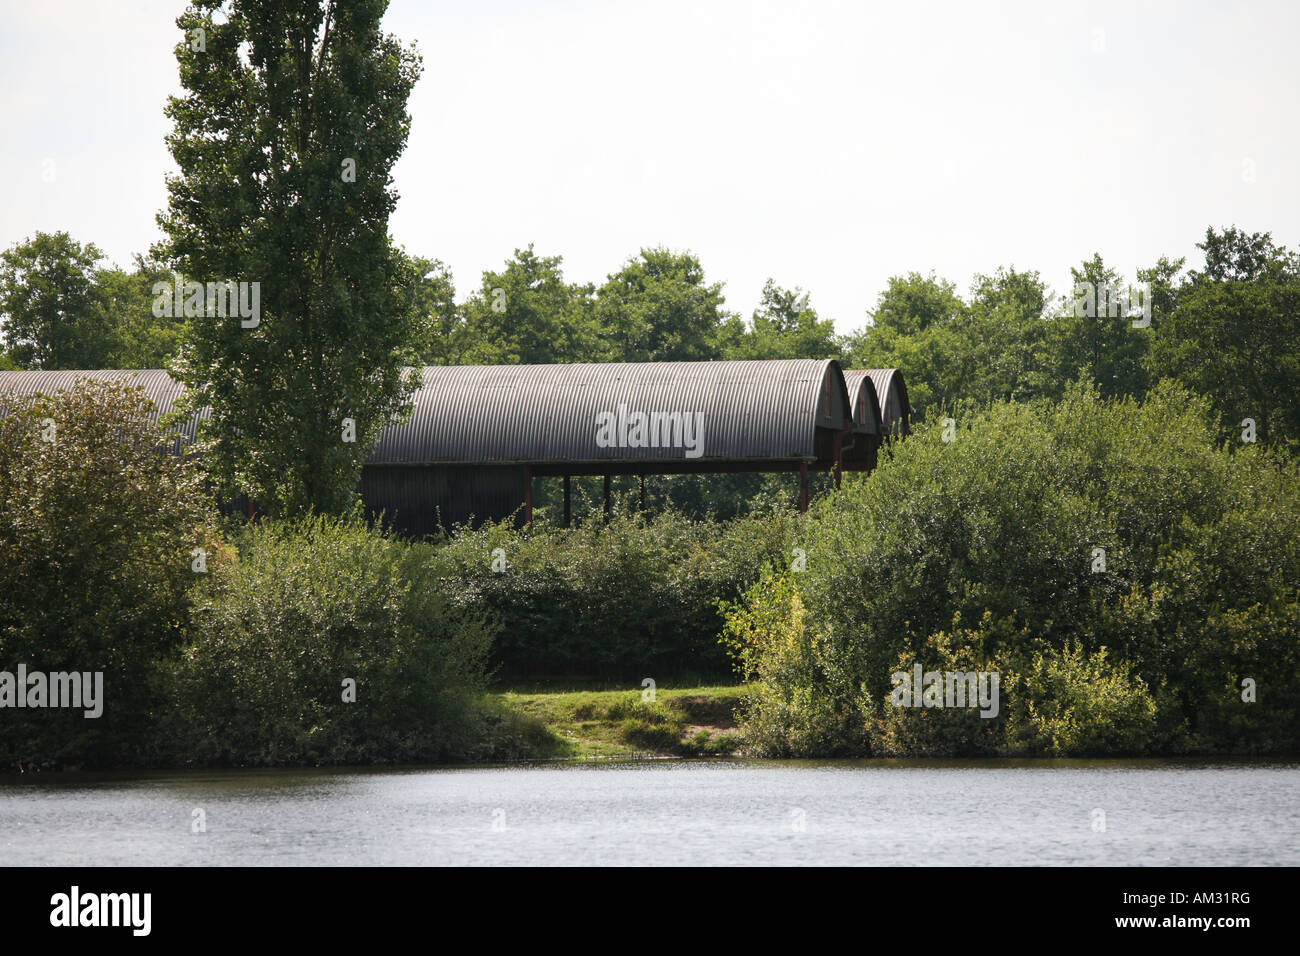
659	308
999	339
1236	256
783	326
527	314
1098	338
141	339
292	116
49	305
431	292
914	303
914	327
1232	333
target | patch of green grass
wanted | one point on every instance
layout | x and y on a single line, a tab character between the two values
512	734
706	744
650	737
604	724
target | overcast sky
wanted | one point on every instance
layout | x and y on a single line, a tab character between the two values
827	145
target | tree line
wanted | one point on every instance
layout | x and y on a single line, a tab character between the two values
63	307
1099	429
1229	330
284	135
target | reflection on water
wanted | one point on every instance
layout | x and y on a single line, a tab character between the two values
873	812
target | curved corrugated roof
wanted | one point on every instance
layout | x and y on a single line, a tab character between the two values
866	406
160	388
751	410
891	392
755	410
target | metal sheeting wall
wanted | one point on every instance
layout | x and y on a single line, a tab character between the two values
160	388
460	456
752	411
891	391
862	454
418	499
547	413
863	400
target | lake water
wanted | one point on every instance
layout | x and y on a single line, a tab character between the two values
878	812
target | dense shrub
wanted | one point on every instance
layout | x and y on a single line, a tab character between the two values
791	711
244	664
96	534
719	497
999	527
1071	703
632	598
306	606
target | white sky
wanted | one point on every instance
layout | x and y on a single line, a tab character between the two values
828	145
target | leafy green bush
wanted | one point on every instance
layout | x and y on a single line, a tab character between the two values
797	708
629	599
946	731
1195	592
308	606
1071	703
97	530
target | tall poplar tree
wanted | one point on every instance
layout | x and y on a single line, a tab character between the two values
292	116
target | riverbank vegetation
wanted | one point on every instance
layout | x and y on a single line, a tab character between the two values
632	597
619	724
1130	576
1100	505
1121	550
320	640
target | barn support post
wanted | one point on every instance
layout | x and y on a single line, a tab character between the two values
839	448
566	501
803	486
528	497
607	497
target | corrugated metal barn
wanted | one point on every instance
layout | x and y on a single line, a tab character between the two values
479	435
867	429
891	393
512	423
158	386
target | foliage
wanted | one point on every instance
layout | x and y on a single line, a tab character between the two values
431	292
97	530
62	310
292	117
1069	702
527	314
141	338
629	599
1000	526
682	721
701	497
1099	338
1231	333
52	318
659	308
784	326
992	349
792	709
892	728
308	605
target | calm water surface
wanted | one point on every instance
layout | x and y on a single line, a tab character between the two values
880	812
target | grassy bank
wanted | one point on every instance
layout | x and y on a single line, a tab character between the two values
591	724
